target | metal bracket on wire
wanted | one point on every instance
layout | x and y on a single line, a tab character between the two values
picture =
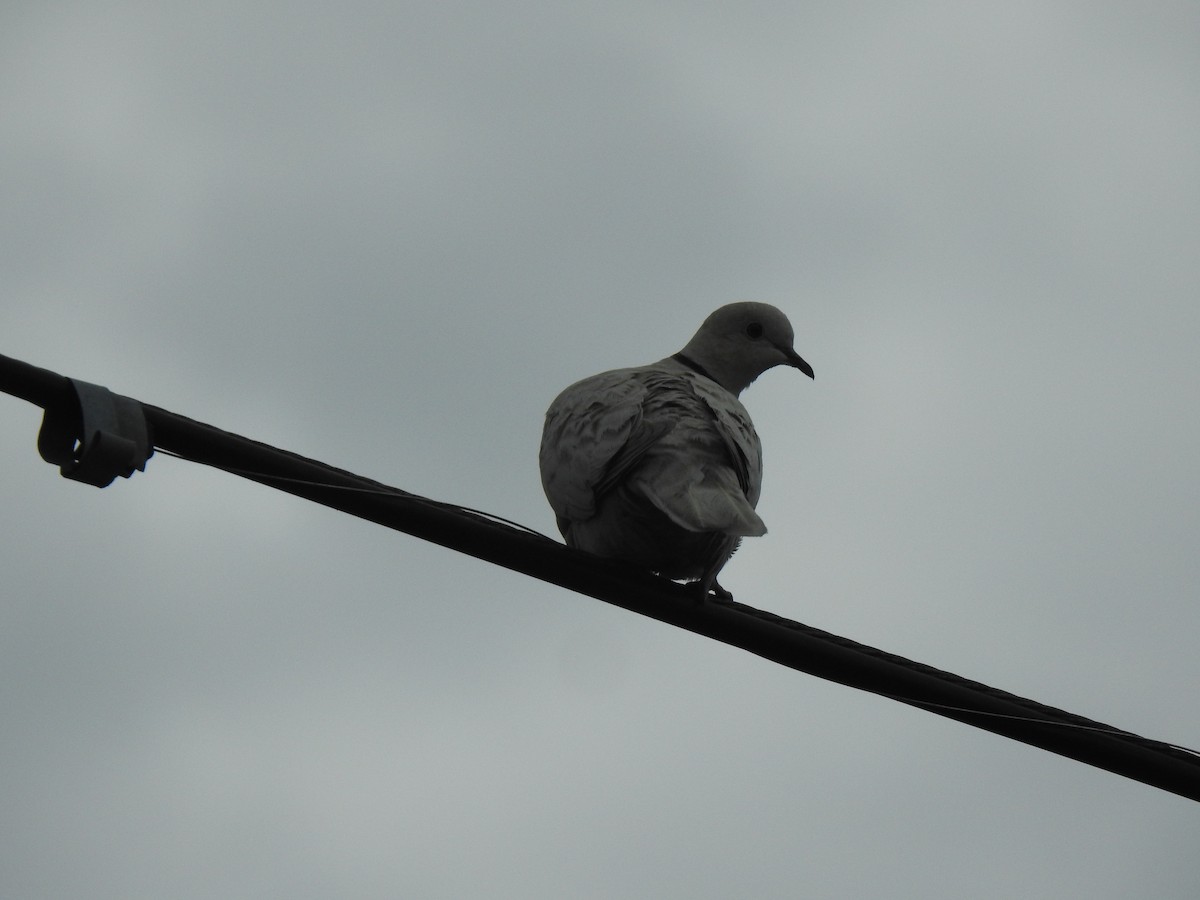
94	435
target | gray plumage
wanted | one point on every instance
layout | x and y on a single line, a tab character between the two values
660	465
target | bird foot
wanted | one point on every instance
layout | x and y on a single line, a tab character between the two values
706	590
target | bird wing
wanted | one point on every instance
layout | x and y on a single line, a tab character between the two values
737	431
706	473
594	433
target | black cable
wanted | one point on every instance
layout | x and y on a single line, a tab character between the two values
772	637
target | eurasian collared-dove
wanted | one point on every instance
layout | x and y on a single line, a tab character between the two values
660	465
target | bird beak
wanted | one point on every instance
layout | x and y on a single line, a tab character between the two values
794	360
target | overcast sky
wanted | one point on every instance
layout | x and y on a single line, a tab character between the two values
386	235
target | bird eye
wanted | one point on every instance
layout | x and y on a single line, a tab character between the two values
754	331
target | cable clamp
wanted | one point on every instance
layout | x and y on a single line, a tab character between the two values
94	435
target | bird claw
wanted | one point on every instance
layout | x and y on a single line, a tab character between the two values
710	590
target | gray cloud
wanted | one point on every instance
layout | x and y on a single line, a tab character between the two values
387	236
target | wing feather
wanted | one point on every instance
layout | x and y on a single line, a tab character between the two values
737	431
593	434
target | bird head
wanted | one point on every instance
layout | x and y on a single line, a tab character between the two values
740	341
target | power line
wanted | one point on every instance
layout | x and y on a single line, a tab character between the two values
95	436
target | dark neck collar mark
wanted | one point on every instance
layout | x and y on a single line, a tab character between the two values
693	365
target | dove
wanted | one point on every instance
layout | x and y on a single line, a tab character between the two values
659	466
